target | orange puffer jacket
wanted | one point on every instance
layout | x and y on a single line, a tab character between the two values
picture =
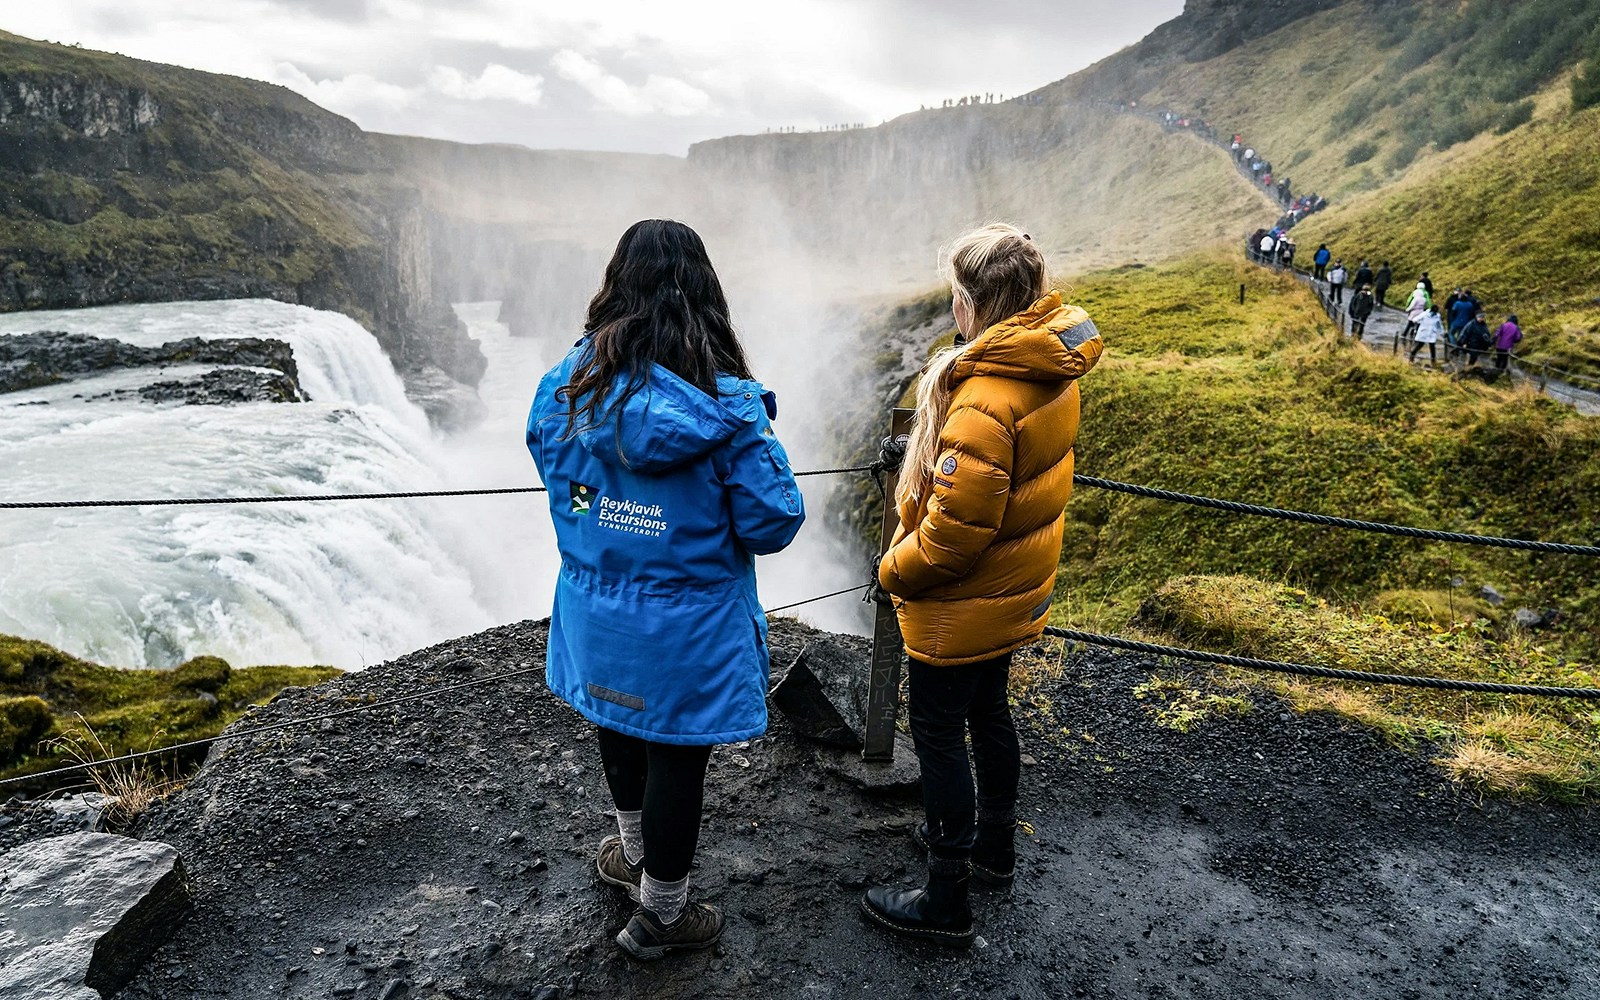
973	564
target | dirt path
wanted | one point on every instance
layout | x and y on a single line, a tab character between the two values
445	851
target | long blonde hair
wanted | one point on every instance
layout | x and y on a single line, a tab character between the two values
996	271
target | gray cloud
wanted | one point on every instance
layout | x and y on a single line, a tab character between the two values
625	75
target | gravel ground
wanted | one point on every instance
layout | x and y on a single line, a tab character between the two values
445	850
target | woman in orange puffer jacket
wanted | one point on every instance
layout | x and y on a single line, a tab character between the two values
972	568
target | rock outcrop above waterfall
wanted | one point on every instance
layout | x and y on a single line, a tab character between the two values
255	369
443	848
129	181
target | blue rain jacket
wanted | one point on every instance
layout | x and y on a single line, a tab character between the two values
659	512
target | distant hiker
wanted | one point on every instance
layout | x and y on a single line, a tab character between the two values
1360	309
1336	283
1268	248
1381	283
1363	276
972	568
1505	339
1416	308
1459	309
1320	261
1428	284
1286	251
1475	339
1430	329
665	481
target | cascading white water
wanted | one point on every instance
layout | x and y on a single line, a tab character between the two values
344	583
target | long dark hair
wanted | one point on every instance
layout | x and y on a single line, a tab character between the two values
660	303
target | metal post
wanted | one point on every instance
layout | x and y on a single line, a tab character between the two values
888	648
1241	294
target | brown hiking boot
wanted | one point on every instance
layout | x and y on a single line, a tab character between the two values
614	867
646	938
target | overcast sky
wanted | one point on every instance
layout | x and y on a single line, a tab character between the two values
629	75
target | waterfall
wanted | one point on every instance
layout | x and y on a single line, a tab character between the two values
347	583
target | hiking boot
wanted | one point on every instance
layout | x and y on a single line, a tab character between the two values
614	867
647	938
938	912
994	853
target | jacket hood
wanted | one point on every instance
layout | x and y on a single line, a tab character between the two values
669	422
1047	342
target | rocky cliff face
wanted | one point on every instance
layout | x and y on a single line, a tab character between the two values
124	181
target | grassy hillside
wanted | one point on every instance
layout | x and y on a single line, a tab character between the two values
1260	402
1518	222
1444	134
55	708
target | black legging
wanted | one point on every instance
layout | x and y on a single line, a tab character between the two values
945	704
667	781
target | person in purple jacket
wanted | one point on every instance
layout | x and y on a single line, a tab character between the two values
1505	339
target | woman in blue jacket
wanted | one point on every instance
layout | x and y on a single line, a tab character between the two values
665	481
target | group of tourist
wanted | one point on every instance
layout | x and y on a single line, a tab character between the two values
1460	324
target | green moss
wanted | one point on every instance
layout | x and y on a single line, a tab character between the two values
23	721
127	710
203	673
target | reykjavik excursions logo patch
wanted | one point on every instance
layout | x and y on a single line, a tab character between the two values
582	497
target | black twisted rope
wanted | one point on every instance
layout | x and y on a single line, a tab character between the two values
823	597
1405	531
292	498
1309	670
285	498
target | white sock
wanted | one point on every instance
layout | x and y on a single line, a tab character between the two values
631	826
665	899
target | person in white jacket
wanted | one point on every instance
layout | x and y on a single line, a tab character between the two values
1336	279
1416	308
1430	330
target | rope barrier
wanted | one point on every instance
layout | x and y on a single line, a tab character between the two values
1309	670
1405	531
813	600
294	498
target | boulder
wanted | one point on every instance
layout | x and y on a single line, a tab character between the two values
1493	596
823	694
79	914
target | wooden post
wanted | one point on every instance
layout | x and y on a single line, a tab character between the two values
888	648
1241	294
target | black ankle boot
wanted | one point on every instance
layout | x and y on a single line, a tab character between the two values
994	852
938	912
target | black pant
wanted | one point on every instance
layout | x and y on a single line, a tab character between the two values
1322	270
1336	292
1501	358
1378	294
667	781
945	703
1433	353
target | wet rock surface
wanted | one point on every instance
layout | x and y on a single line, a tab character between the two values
260	369
79	914
445	849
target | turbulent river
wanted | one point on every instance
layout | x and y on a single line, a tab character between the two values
347	583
